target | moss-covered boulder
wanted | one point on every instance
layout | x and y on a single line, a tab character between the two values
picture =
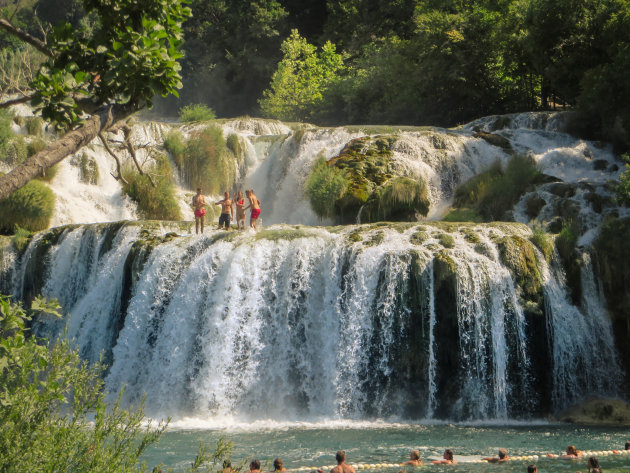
595	411
30	207
494	139
400	199
518	255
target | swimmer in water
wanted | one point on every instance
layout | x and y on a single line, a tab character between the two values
503	457
278	465
414	459
342	467
447	458
572	453
593	465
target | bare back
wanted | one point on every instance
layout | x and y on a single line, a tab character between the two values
343	468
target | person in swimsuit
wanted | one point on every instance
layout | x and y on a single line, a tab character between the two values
414	459
503	457
447	458
532	469
341	461
226	211
278	465
593	465
199	203
254	466
240	211
254	204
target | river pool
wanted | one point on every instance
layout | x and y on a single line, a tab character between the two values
314	444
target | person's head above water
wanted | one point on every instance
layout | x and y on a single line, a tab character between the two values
254	465
592	462
415	455
448	454
277	464
532	469
571	450
340	456
627	445
502	453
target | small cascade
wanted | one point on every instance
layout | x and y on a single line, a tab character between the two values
302	323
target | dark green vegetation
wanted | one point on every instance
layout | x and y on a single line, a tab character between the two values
53	415
196	113
411	61
157	201
491	194
30	207
360	180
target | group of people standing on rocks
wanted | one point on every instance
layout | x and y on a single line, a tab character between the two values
227	213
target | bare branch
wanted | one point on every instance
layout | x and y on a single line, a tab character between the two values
8	103
132	151
24	36
118	176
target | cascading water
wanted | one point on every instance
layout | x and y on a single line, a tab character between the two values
314	323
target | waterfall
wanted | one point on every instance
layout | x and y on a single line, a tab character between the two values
309	323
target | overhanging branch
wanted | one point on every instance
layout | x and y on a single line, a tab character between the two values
24	36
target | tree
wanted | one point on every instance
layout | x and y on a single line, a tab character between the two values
299	84
95	78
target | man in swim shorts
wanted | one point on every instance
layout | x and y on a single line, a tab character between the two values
254	204
199	203
341	464
226	211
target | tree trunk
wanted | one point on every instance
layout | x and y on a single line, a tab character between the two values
61	148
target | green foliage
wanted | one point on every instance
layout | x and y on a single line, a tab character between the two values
15	151
324	186
129	58
196	113
88	169
5	129
233	143
30	207
613	254
175	143
206	163
399	199
21	239
543	242
300	83
47	399
35	146
49	174
462	215
34	126
494	192
159	202
446	240
623	187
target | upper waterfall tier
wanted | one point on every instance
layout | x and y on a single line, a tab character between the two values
278	158
435	320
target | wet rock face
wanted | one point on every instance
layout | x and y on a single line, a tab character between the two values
595	411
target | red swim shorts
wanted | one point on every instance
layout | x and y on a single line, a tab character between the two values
255	214
200	212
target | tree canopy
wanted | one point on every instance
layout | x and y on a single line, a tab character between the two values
99	73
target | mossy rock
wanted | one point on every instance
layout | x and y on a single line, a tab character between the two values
400	199
446	240
501	122
355	236
518	255
483	249
562	189
594	411
444	268
568	209
374	239
495	140
470	235
419	237
288	233
613	255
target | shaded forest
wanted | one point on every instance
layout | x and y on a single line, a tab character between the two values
420	62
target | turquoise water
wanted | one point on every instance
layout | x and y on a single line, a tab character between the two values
313	445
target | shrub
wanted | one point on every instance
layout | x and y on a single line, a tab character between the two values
324	186
196	113
175	143
5	128
157	202
233	143
15	151
494	192
446	240
34	126
398	200
48	397
35	146
623	187
21	238
206	163
49	174
88	169
543	242
30	207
